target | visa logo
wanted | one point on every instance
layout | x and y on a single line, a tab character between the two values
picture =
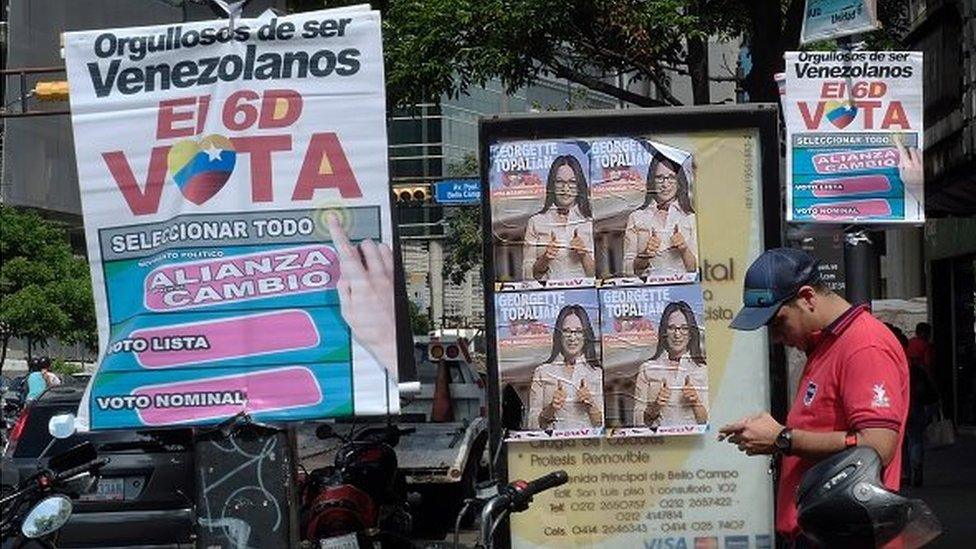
665	543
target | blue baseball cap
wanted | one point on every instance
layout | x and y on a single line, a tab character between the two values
772	279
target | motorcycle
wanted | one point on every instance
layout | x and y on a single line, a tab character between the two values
498	502
360	501
40	505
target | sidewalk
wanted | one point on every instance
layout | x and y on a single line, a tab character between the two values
950	490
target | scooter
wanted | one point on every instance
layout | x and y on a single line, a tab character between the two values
361	500
40	505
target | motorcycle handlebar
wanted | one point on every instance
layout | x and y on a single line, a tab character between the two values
515	498
543	483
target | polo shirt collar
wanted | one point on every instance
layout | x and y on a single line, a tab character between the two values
837	327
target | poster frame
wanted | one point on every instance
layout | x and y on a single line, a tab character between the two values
762	117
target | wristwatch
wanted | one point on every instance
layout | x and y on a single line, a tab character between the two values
850	440
784	441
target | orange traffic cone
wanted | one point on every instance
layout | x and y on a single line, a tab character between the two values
442	411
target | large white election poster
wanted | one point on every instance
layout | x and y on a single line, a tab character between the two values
854	137
226	177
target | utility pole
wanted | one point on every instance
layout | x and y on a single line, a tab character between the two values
858	247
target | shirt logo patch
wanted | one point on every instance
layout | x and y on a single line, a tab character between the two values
810	394
880	399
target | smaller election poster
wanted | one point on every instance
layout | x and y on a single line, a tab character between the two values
826	19
548	347
542	218
643	194
854	137
655	373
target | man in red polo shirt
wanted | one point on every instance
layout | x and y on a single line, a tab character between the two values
854	387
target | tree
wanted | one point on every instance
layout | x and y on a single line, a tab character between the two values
436	47
419	322
463	229
45	290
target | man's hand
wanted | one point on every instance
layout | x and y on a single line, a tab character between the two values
689	393
365	289
753	435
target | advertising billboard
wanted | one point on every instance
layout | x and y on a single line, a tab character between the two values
632	483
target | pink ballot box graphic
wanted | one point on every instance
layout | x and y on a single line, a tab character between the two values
218	397
872	208
847	186
250	335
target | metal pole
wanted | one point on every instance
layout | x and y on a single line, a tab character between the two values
858	259
858	248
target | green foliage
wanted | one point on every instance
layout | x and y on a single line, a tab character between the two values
62	368
462	253
45	291
419	322
444	47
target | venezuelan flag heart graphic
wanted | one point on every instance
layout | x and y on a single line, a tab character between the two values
201	168
841	114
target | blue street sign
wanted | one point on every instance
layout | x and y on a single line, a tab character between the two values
457	191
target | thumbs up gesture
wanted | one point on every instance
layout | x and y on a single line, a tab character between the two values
664	395
558	397
552	248
689	393
577	245
584	395
653	244
678	240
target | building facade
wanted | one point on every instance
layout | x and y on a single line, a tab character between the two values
945	30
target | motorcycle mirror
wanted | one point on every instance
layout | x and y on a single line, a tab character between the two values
324	432
46	517
62	426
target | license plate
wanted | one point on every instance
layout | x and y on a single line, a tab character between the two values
347	541
109	489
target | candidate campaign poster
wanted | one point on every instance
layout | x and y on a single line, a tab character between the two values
643	193
542	216
655	373
548	348
226	176
854	137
